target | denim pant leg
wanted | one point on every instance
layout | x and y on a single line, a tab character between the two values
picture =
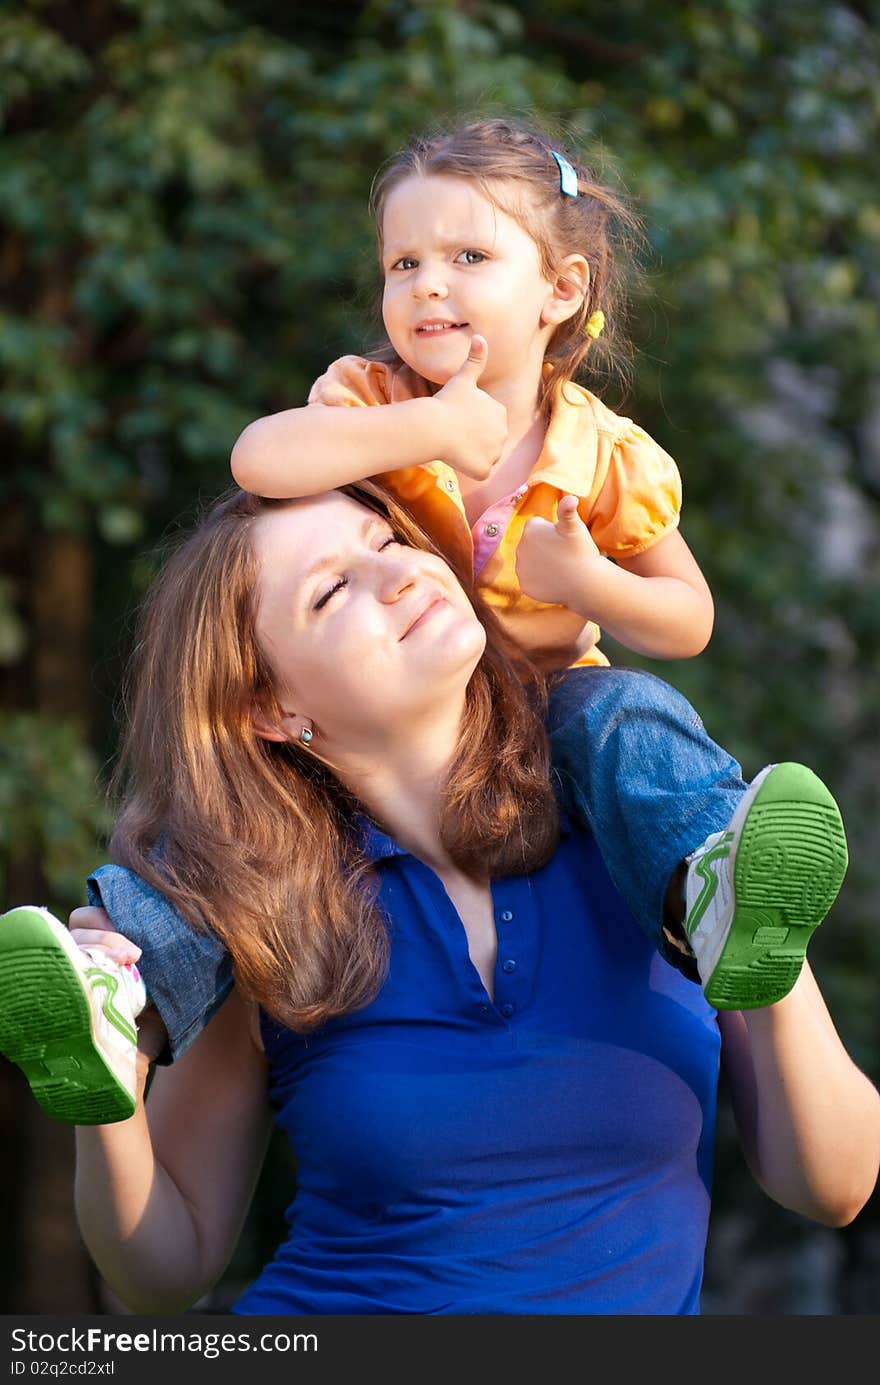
187	973
635	765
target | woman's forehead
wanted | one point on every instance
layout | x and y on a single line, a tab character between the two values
311	517
294	537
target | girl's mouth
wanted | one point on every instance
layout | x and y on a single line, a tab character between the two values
438	329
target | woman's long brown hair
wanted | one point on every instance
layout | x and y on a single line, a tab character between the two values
258	840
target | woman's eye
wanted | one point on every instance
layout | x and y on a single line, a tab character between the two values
337	586
472	256
343	581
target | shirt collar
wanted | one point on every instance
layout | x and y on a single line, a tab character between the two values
378	846
567	457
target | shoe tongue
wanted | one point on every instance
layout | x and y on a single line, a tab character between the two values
711	841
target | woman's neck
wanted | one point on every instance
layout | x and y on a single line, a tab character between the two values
401	783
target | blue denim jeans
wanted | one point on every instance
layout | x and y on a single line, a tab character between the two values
632	762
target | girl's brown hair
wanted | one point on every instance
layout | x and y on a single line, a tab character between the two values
259	840
514	167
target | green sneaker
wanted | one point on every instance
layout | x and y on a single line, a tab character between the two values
67	1018
755	893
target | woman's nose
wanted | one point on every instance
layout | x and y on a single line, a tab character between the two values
395	577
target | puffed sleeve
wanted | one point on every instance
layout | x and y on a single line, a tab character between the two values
353	380
640	498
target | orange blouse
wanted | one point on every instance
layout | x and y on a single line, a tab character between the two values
629	493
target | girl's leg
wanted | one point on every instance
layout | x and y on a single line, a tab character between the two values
760	864
67	1018
69	1014
188	972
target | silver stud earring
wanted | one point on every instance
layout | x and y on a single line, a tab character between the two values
305	735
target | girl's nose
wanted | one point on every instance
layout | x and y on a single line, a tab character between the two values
429	282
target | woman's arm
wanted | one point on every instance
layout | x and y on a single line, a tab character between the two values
808	1118
161	1198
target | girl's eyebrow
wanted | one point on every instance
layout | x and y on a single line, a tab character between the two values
467	238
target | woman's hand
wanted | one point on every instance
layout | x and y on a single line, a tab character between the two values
91	927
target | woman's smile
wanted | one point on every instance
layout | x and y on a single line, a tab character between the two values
433	606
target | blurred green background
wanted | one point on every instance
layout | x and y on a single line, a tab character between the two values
184	245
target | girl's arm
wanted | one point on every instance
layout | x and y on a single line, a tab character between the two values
808	1118
657	603
161	1198
314	448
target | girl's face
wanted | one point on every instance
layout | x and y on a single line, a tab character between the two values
365	634
455	264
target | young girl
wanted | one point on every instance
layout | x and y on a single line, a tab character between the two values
500	277
500	281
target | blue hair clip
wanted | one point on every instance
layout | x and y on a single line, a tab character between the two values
568	182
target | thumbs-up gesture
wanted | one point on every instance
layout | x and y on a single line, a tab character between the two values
473	424
553	560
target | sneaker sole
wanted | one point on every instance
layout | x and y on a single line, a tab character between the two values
46	1026
789	865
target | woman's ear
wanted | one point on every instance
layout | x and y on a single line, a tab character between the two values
291	727
570	287
267	729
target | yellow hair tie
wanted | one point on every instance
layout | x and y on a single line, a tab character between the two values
595	324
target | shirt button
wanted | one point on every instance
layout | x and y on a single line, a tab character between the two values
491	530
450	484
507	1011
484	1009
506	915
509	965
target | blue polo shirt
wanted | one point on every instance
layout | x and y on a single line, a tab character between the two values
546	1152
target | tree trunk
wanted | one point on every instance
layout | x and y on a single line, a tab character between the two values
45	1265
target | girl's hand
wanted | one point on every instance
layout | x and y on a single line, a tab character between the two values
553	561
474	425
90	927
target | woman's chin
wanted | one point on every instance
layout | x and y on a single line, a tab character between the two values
448	649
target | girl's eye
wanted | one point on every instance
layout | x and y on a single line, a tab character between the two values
472	256
393	539
405	262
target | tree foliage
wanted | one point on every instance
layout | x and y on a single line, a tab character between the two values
184	244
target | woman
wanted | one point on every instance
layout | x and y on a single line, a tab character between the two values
501	1096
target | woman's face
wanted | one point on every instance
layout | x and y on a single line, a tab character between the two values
363	632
